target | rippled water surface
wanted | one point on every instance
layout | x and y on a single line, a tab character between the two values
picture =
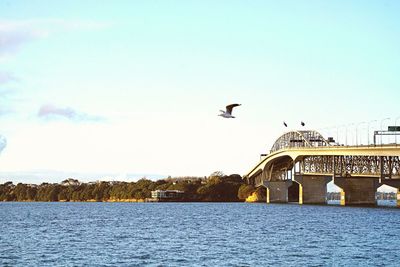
197	234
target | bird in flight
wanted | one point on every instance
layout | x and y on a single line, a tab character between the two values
303	124
284	123
228	112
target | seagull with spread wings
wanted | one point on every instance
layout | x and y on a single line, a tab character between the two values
228	112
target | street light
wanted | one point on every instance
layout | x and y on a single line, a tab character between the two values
346	130
337	132
330	132
368	128
324	131
358	124
385	119
395	126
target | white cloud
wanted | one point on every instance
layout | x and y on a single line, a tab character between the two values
15	33
3	143
53	112
6	77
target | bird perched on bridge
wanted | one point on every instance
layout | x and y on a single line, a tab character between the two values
228	112
284	123
303	124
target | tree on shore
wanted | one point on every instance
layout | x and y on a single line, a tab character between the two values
245	190
216	187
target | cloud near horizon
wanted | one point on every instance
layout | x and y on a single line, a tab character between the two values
52	176
3	143
49	111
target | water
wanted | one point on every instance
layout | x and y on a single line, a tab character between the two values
383	203
197	234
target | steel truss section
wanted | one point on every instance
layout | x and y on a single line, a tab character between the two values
316	164
346	166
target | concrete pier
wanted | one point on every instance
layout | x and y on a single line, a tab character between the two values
312	188
357	191
277	191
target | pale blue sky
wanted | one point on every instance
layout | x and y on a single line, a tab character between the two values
116	88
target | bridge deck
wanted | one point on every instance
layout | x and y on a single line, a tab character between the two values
298	152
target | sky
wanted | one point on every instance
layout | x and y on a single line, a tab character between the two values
128	89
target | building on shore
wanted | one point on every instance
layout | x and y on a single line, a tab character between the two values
166	195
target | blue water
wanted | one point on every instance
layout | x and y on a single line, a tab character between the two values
197	234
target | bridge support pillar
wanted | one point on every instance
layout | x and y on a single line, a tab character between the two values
357	191
312	188
277	191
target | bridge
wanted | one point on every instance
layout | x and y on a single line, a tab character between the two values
302	163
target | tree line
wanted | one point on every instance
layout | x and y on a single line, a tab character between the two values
216	187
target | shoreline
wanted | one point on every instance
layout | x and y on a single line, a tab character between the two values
124	201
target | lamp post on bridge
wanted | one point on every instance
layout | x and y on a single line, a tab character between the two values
329	131
395	126
324	131
368	129
337	132
346	130
385	119
358	124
